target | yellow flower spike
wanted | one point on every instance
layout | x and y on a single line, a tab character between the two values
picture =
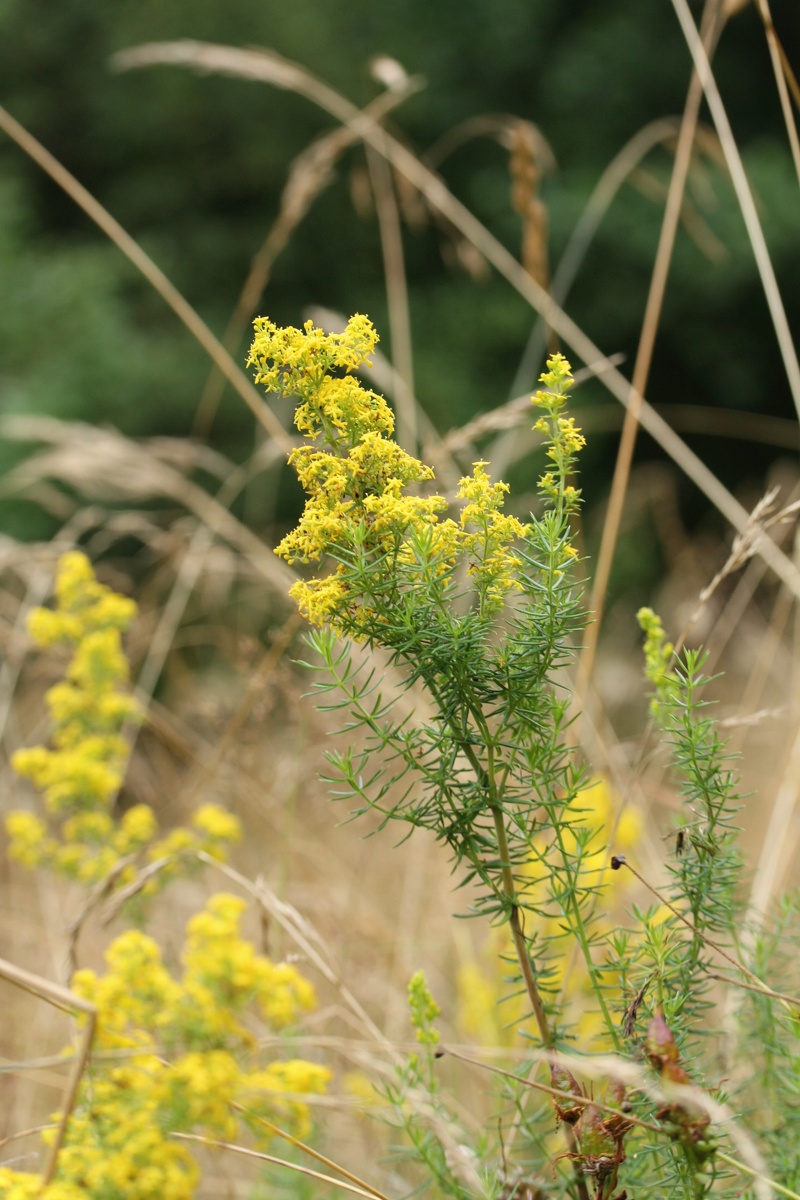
658	656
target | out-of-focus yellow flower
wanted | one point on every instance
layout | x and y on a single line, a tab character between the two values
218	824
189	1060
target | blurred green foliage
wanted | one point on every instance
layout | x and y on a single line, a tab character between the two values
194	166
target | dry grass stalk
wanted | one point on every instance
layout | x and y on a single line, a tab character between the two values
605	190
745	546
526	200
397	297
745	197
712	26
784	77
308	940
309	1150
281	1162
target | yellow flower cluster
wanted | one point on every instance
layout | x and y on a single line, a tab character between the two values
565	440
658	659
358	509
22	1185
85	768
493	564
83	772
187	1043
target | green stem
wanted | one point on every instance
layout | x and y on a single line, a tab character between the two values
739	1166
579	929
515	925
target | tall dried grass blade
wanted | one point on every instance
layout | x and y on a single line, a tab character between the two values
397	297
321	1158
644	357
609	183
281	1162
745	198
309	941
780	63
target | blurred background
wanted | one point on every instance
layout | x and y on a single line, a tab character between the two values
555	122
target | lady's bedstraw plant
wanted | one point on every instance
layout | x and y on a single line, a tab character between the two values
82	773
174	1051
481	611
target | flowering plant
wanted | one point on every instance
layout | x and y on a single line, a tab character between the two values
171	1054
480	612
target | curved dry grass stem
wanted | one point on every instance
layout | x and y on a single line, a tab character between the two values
745	198
153	274
306	937
269	67
280	1162
783	73
293	1141
712	26
397	297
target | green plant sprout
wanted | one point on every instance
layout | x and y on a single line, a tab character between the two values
482	612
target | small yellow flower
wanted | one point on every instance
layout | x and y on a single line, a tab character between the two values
217	824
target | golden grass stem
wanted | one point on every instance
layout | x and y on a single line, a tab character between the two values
397	297
281	1162
293	1141
779	66
644	357
772	1183
624	163
745	198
